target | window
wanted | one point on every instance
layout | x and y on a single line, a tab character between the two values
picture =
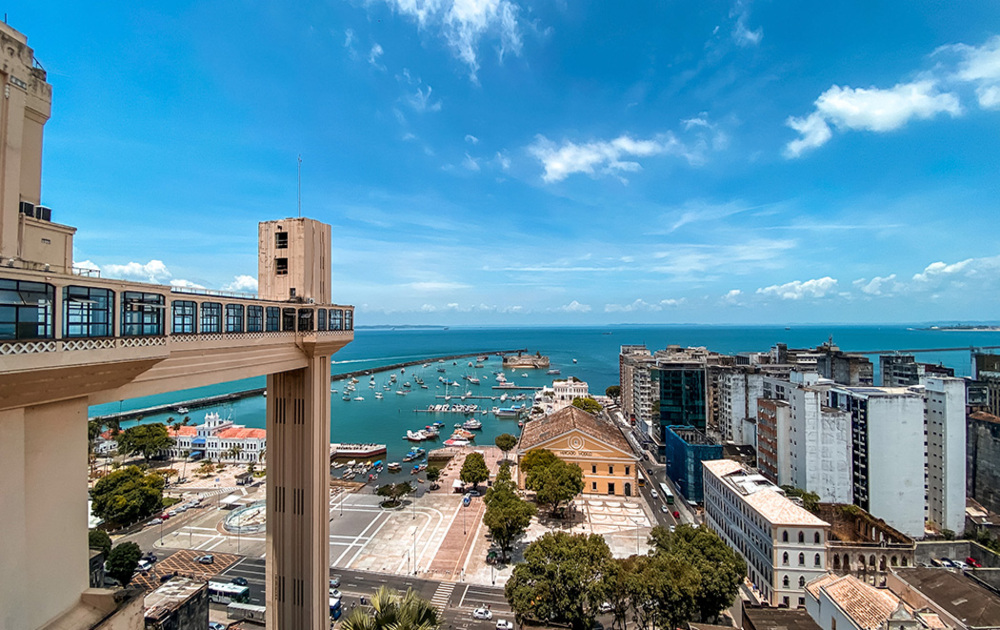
234	318
88	312
802	559
211	317
802	581
273	322
611	488
802	537
593	469
288	320
816	560
255	318
348	319
816	538
321	319
627	470
784	600
26	309
185	316
142	314
611	469
336	319
784	536
281	240
784	558
305	319
802	602
785	583
593	486
281	266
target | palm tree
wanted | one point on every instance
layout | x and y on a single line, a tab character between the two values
390	611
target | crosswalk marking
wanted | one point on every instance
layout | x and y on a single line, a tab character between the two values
443	594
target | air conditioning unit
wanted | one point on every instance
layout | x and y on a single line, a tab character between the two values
43	213
28	208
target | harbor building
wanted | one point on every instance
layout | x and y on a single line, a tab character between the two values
784	545
218	439
887	453
597	447
70	339
561	394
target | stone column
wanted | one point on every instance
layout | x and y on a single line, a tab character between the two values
43	511
298	497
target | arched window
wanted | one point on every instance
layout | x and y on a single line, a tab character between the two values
784	581
802	582
816	560
816	538
836	562
784	558
893	561
802	559
784	536
802	537
902	561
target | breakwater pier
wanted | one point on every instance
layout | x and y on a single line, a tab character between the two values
210	401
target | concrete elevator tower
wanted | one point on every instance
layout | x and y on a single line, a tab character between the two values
70	339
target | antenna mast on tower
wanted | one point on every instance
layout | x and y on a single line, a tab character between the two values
300	185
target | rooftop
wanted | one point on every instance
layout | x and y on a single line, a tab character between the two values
866	605
778	619
171	595
955	594
762	495
567	419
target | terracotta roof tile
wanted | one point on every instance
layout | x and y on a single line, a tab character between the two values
866	605
568	419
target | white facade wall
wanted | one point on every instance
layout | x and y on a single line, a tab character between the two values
821	446
895	447
946	457
783	428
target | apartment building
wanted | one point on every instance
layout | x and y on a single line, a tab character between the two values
902	370
629	358
945	425
783	545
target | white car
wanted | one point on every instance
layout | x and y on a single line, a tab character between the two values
482	613
335	594
654	494
605	607
503	624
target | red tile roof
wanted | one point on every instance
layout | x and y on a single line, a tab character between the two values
241	433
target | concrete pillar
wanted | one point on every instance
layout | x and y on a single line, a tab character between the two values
43	511
298	497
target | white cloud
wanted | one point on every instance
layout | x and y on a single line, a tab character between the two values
242	284
796	290
464	23
979	65
743	34
421	101
871	109
503	161
471	163
436	286
606	157
185	284
373	56
471	139
154	271
733	296
641	305
348	38
877	285
670	302
574	307
87	264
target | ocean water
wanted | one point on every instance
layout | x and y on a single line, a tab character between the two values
595	350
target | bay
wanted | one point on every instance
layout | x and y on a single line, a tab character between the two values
595	350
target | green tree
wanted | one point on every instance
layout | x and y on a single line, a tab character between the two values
474	470
122	562
93	431
555	484
146	440
507	515
663	591
536	457
587	404
561	579
720	568
613	391
394	492
433	474
127	495
391	611
99	539
505	442
617	587
810	500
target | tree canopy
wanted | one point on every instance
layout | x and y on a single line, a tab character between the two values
555	483
505	442
561	579
536	457
391	611
587	404
99	539
613	391
810	500
474	469
507	515
144	439
721	570
127	495
393	492
122	561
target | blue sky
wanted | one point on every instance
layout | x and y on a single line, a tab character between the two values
507	162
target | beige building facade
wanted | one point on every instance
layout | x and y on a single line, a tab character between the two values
70	339
598	448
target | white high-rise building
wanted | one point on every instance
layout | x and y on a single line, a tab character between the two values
887	450
946	444
820	451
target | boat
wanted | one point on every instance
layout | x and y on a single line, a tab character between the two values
456	442
333	391
524	374
462	433
378	395
183	410
441	370
336	465
407	384
574	360
359	398
401	392
474	380
394	467
482	358
426	365
347	397
520	424
416	436
418	468
472	424
470	363
422	386
350	474
553	372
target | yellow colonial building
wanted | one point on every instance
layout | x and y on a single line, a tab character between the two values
597	447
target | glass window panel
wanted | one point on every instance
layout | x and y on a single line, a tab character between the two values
88	312
211	317
234	318
142	314
185	315
255	318
273	323
305	319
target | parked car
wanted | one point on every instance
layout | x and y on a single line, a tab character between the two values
149	557
946	562
973	563
143	567
466	500
206	559
960	564
336	594
605	607
482	613
215	625
164	516
155	521
335	581
239	581
474	493
503	624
